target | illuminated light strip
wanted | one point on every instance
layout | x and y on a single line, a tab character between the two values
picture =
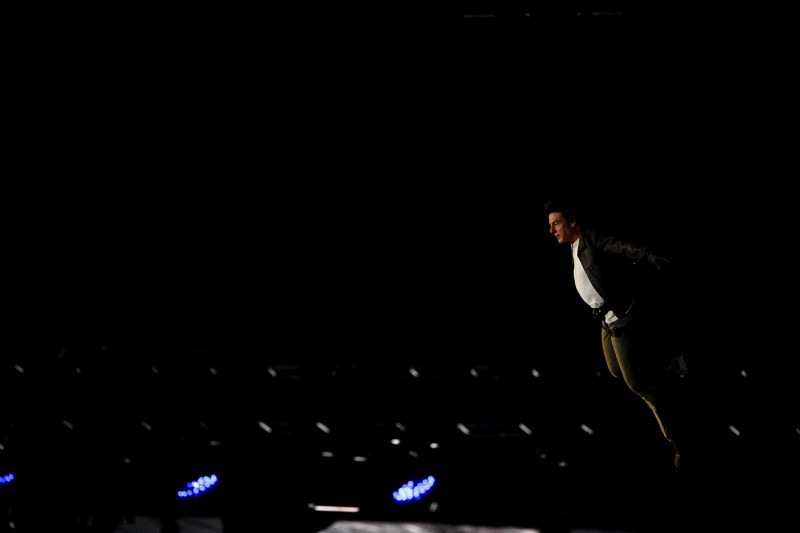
334	509
198	487
7	478
414	490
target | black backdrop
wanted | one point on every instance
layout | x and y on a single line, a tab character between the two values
336	195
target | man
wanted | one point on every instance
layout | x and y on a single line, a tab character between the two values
614	278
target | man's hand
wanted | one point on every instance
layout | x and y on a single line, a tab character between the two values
661	262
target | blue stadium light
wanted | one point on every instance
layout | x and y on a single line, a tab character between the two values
5	479
198	487
414	490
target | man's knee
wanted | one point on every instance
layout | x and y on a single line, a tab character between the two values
640	386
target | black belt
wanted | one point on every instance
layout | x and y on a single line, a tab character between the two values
600	312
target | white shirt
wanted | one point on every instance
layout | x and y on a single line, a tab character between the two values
585	287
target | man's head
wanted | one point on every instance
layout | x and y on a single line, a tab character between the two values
563	224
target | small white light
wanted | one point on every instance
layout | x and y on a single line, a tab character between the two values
322	427
587	429
734	430
535	373
525	429
335	509
463	429
434	445
395	441
265	427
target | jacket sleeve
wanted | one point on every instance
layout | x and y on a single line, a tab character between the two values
609	244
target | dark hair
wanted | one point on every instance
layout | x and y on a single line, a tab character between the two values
558	204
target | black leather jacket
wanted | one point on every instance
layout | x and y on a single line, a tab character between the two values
617	269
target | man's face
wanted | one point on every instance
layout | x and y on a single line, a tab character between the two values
561	230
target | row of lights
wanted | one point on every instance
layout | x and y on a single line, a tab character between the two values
198	487
414	490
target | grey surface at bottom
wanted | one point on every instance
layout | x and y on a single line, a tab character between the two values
343	526
192	524
187	524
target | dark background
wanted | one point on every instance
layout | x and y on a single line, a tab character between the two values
312	204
